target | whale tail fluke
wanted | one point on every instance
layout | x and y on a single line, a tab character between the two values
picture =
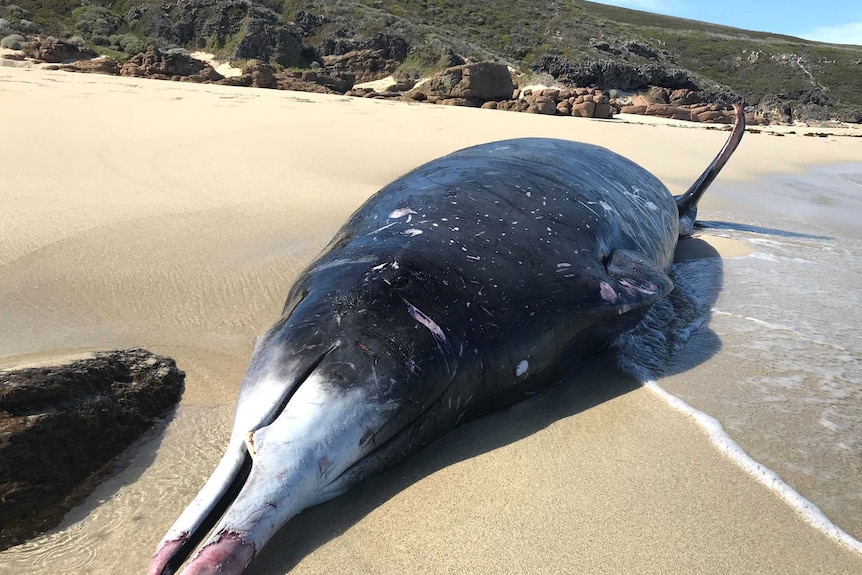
687	202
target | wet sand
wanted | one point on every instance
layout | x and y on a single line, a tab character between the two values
175	217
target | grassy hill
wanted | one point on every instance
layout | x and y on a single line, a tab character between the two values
813	79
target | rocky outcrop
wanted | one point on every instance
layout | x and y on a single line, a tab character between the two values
363	65
56	51
255	31
468	84
171	65
608	74
577	102
261	73
61	426
94	66
680	104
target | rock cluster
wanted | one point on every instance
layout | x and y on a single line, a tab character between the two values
578	102
56	50
169	66
680	104
60	427
362	65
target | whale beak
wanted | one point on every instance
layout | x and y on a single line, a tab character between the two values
205	510
295	457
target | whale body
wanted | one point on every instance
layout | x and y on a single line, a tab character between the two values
465	286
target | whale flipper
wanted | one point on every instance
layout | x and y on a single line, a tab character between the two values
637	282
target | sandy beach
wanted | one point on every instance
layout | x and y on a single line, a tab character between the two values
175	217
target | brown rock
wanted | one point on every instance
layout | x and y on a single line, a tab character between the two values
564	108
483	81
552	93
468	102
683	97
603	111
61	426
658	95
582	91
601	99
584	109
262	74
55	50
538	104
244	81
95	66
710	116
633	109
287	81
338	82
490	105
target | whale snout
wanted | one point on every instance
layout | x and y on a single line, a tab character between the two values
229	555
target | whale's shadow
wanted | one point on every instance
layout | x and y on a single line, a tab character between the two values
600	380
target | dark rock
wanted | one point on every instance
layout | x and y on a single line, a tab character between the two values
364	65
61	426
309	22
55	50
613	74
244	81
483	81
288	81
390	46
257	32
166	65
339	82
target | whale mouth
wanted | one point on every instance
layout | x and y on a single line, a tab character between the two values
173	554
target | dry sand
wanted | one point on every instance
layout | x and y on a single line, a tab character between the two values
175	217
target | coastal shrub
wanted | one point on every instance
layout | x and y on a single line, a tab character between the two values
128	43
12	42
5	27
95	20
27	27
100	40
13	12
76	40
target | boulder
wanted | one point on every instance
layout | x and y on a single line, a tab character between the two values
61	427
262	74
55	50
584	109
539	104
483	81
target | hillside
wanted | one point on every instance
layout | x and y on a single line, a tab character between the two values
578	43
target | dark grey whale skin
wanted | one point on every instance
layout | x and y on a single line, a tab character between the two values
533	250
470	283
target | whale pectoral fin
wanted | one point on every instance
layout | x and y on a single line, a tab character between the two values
636	281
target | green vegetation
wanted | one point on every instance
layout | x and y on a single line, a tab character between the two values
12	42
517	32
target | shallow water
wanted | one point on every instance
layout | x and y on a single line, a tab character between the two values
766	343
787	382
